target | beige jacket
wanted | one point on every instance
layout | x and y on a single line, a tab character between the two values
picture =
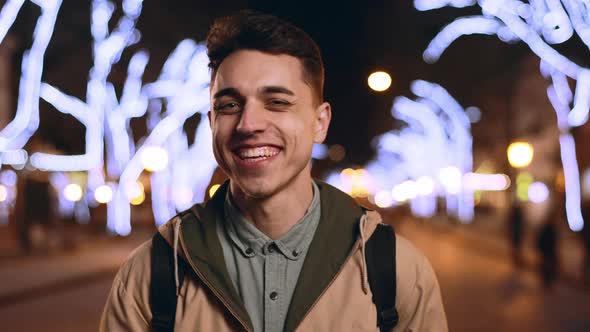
332	293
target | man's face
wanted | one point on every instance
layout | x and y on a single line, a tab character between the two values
265	122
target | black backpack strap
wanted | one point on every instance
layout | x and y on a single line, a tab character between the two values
162	286
380	256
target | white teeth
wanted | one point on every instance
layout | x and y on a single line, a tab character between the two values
260	152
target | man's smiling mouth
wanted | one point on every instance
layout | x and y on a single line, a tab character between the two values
255	154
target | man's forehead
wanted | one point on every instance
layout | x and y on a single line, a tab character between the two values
254	70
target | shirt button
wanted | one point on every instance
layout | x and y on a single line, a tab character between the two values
249	251
274	296
271	248
295	253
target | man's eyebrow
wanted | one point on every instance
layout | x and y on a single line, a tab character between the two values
227	92
277	89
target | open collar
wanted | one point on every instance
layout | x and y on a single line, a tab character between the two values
250	241
333	241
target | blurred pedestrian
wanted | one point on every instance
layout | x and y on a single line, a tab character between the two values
516	224
547	248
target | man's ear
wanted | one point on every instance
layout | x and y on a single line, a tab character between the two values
323	115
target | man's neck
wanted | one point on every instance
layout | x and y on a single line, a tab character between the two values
276	215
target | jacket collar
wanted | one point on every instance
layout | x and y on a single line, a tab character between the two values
339	219
202	245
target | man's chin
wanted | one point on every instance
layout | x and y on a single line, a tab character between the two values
254	188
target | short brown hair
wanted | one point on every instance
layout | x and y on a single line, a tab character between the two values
253	30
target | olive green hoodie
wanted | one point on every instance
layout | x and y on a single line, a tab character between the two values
332	293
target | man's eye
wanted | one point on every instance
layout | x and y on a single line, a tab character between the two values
278	104
227	108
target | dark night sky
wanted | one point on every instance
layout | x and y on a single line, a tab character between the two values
355	38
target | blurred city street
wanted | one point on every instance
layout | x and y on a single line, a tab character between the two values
481	289
464	122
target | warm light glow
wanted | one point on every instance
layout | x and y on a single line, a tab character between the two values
73	192
379	81
358	191
360	183
103	194
154	158
135	192
347	174
357	183
213	189
3	193
520	154
138	200
383	199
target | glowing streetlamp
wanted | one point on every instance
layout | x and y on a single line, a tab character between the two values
520	154
73	192
379	81
103	194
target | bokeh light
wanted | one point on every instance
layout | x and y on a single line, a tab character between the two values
154	158
135	192
424	186
520	154
404	191
451	178
8	178
538	192
73	192
379	81
383	199
103	194
473	113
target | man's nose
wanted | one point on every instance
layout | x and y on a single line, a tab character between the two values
252	119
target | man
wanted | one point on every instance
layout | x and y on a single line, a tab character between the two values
273	250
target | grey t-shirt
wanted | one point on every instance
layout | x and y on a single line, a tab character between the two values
265	272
